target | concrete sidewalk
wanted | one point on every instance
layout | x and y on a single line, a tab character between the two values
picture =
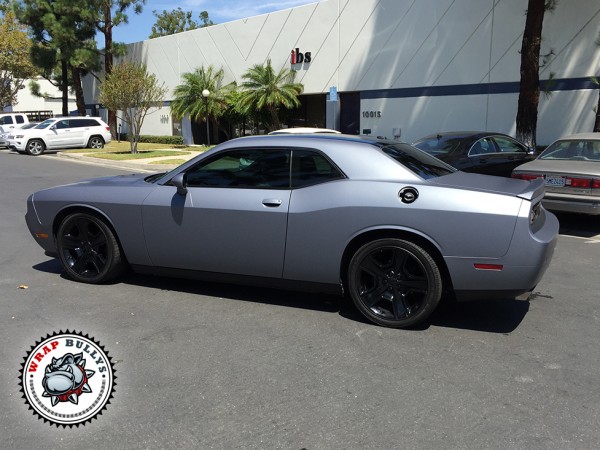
144	164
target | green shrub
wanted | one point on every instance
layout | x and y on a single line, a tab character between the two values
169	140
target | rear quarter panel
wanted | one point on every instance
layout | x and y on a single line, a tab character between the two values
324	218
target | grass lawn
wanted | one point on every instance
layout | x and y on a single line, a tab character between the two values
123	146
122	156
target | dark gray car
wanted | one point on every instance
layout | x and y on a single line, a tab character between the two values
387	223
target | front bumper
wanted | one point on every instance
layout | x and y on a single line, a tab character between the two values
41	233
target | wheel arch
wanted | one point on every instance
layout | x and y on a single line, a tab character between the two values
71	209
421	240
92	136
37	139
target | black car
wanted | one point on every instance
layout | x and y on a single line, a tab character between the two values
479	152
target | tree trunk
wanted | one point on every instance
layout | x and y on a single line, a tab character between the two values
108	61
274	118
76	74
65	87
597	123
529	91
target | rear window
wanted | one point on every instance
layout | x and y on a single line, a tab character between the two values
574	150
419	162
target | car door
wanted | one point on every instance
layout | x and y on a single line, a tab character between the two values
484	157
233	218
512	154
77	132
58	135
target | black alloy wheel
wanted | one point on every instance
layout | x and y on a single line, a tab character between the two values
88	249
394	282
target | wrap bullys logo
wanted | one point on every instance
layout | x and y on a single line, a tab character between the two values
67	378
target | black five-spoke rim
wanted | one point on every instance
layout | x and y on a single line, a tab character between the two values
84	247
393	283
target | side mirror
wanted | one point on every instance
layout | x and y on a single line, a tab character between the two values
53	127
180	183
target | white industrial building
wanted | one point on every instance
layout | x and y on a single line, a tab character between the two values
402	68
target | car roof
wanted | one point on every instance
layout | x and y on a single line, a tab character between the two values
582	136
465	134
328	136
299	130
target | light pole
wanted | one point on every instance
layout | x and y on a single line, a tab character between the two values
205	94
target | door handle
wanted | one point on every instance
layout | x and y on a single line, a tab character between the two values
272	202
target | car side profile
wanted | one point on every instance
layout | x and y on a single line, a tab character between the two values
380	220
60	132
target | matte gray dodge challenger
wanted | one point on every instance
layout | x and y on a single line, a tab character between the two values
383	221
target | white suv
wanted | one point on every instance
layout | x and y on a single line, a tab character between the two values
60	132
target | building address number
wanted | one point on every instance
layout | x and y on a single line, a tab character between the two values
371	114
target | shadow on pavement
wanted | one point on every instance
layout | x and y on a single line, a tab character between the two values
486	316
580	225
491	316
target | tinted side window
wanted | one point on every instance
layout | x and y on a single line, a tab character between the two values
509	146
310	167
6	120
248	168
20	119
88	123
482	147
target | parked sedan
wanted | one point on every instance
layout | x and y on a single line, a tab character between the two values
570	168
478	152
383	221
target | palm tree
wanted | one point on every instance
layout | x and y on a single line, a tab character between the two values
264	89
188	98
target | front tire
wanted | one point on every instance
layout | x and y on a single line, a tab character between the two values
88	249
96	142
35	147
394	282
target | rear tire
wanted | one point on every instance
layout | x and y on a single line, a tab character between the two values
394	282
88	249
96	142
35	147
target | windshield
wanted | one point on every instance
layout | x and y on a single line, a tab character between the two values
419	162
45	124
573	150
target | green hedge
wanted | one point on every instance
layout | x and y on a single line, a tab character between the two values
170	140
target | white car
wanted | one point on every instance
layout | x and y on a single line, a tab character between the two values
60	132
4	136
304	130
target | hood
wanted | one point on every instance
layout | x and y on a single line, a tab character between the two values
118	180
488	183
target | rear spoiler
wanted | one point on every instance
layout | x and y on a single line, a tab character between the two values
534	190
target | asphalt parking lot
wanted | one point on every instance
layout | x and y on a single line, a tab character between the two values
204	365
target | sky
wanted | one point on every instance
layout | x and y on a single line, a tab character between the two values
219	11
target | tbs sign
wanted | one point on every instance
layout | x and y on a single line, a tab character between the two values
297	57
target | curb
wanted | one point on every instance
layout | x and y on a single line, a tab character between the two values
126	165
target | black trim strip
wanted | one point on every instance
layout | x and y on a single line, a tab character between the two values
512	87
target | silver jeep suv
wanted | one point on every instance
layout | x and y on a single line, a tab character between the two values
60	132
